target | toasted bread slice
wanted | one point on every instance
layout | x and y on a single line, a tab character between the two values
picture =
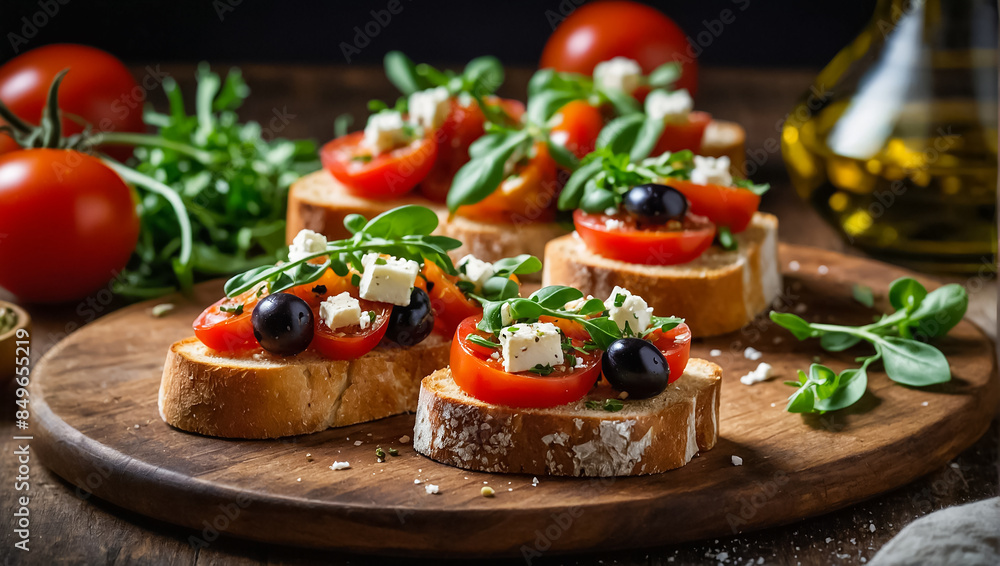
726	139
646	437
264	396
717	293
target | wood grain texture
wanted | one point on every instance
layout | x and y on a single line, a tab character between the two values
95	402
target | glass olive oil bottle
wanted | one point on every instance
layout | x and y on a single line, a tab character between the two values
896	142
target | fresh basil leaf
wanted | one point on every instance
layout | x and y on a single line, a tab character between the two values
906	294
851	387
823	379
603	331
492	321
524	263
355	223
339	267
402	73
756	188
301	274
561	155
485	73
794	324
802	401
524	309
478	178
444	243
555	296
545	104
913	363
406	220
487	143
500	289
665	75
620	134
569	198
623	102
591	306
597	201
940	311
647	138
838	341
246	280
663	324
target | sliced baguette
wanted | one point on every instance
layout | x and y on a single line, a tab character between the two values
717	293
267	396
646	437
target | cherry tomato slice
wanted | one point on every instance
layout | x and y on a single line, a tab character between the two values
450	304
725	206
675	344
463	126
687	135
228	331
329	285
351	342
624	240
390	174
571	328
484	378
577	127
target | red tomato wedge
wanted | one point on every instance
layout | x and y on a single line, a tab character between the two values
686	135
352	342
733	207
450	304
390	174
484	378
625	241
577	127
675	344
463	126
228	331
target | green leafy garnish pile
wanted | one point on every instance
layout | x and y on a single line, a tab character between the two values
403	232
551	301
918	315
230	178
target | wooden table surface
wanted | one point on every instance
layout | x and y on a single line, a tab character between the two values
69	526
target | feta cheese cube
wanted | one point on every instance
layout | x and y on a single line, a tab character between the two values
474	271
711	170
386	131
669	106
306	243
620	73
630	309
506	318
524	346
762	373
429	108
340	311
387	280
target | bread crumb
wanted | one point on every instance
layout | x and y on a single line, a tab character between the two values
416	481
822	270
794	265
623	395
737	461
431	489
300	479
762	373
404	439
510	489
715	353
924	404
871	527
162	310
752	353
358	443
136	426
487	491
340	466
534	482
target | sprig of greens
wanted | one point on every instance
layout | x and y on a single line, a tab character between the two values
551	301
609	405
605	176
231	180
481	76
918	315
403	232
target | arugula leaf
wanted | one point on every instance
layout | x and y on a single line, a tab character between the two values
518	265
646	138
555	296
913	363
725	238
620	134
478	178
406	220
402	73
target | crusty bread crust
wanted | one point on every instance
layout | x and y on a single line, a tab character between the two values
717	293
267	396
646	437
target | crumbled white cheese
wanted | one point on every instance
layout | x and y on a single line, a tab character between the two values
711	170
417	481
431	489
429	108
475	271
752	353
358	442
306	243
613	224
506	318
365	319
619	73
577	304
762	373
524	346
632	310
385	131
822	270
794	265
737	461
669	106
534	481
715	353
340	466
340	311
387	280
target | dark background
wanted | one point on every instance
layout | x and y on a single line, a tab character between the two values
765	33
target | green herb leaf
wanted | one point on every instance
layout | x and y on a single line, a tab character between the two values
480	341
518	265
646	138
561	155
500	288
794	324
665	75
906	294
542	370
913	363
569	198
940	311
402	73
555	296
478	178
406	220
725	238
619	135
863	294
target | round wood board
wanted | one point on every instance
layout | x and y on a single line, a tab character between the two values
94	399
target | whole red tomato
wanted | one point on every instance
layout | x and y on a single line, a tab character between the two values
603	30
68	224
98	89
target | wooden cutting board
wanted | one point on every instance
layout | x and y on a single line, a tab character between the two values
94	400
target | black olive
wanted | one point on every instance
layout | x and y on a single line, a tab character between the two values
637	367
409	325
283	324
655	203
